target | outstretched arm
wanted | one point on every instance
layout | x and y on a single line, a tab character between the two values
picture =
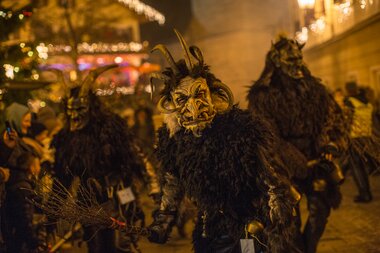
164	218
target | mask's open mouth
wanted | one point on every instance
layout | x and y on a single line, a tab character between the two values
203	118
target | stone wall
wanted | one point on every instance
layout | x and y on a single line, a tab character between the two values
235	36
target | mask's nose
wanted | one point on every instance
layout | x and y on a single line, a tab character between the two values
192	110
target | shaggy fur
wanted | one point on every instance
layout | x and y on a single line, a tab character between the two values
102	148
302	112
228	172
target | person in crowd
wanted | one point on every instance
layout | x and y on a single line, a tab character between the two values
364	148
23	162
4	177
306	118
19	117
144	129
223	160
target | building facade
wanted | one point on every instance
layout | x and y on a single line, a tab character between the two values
234	37
344	43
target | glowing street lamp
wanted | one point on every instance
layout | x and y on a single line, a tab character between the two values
306	4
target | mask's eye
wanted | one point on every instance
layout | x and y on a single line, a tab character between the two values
181	100
200	94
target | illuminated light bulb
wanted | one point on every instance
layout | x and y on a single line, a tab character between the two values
363	4
306	4
118	59
30	53
20	16
145	9
9	71
16	69
303	35
22	45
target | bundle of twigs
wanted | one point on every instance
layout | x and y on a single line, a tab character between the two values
83	208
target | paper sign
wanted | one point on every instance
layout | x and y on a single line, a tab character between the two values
247	246
126	195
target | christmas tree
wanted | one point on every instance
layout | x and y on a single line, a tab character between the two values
19	57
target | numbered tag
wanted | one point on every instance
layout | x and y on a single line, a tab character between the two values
247	246
126	195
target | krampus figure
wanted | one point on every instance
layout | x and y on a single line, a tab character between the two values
223	159
309	122
96	146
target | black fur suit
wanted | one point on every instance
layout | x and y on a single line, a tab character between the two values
307	119
229	172
104	156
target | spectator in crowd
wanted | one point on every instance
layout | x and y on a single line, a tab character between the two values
144	129
360	120
23	162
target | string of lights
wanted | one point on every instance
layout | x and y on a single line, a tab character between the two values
343	11
141	8
99	47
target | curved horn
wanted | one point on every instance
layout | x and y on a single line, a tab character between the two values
161	106
185	49
230	97
60	79
91	77
197	53
168	56
158	76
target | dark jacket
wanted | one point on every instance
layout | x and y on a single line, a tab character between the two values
19	233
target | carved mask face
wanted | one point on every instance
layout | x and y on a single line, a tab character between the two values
192	100
77	112
289	60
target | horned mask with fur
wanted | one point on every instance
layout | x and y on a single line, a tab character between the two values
192	95
77	101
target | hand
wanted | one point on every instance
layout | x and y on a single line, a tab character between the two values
161	227
10	139
5	173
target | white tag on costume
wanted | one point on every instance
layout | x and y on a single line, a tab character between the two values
126	195
247	246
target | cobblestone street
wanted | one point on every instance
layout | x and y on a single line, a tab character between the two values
352	228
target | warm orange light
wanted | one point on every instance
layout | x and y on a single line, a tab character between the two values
306	4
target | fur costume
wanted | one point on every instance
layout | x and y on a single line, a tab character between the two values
230	185
103	147
301	111
96	146
305	117
222	159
